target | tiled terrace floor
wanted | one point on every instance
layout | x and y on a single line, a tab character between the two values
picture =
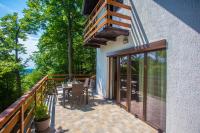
100	116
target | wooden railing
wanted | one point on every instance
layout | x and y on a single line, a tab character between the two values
97	20
19	116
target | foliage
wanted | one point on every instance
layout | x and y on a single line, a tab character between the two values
60	47
11	30
29	80
41	112
58	19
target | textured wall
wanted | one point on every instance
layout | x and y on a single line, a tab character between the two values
177	21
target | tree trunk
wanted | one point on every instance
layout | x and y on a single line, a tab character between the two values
66	7
17	72
69	39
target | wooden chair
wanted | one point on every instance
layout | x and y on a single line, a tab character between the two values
86	83
91	88
76	95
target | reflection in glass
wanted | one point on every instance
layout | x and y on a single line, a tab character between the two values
156	88
123	80
137	84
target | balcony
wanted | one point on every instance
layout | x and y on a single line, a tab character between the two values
105	23
97	116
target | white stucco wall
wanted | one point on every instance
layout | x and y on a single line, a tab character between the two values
179	23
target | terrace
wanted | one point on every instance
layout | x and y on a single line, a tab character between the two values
99	115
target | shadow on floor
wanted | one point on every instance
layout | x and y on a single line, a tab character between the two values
86	107
83	107
56	100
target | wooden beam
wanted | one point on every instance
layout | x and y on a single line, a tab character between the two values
110	21
144	48
104	40
116	30
117	4
96	23
98	28
105	36
112	13
93	46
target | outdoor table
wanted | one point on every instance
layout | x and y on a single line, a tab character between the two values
68	87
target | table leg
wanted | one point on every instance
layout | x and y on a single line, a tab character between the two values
86	95
63	97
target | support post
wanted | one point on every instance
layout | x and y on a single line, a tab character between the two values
22	119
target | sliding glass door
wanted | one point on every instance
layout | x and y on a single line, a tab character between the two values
137	84
141	85
123	80
156	88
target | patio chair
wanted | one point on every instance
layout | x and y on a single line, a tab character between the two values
86	83
76	95
91	89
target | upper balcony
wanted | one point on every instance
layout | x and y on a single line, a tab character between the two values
106	22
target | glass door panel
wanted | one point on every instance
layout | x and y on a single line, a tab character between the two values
137	84
123	80
156	88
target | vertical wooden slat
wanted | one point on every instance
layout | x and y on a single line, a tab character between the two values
42	90
145	87
129	84
35	97
118	80
109	78
11	123
22	119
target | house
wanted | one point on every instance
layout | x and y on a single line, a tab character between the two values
148	58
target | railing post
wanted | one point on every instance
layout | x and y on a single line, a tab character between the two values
35	97
42	93
22	119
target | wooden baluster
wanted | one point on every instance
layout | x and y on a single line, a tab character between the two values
35	98
42	93
22	119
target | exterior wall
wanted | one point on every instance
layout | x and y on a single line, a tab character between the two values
179	23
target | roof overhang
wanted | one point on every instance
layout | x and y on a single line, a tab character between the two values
88	6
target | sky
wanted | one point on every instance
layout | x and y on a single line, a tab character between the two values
10	6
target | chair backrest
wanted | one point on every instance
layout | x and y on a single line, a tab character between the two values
77	89
86	82
92	84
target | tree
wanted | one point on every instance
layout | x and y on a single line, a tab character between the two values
61	44
11	31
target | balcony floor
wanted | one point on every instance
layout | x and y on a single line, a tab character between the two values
99	116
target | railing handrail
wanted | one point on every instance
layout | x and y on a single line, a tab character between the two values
55	75
15	112
12	109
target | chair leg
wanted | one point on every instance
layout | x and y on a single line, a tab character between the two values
71	102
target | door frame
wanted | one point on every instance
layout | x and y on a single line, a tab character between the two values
154	46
